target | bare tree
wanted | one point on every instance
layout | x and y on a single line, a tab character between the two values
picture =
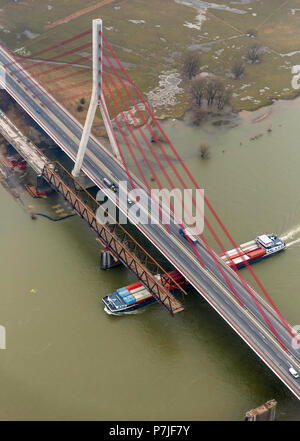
223	98
197	91
213	90
214	86
254	53
238	69
156	135
204	151
191	65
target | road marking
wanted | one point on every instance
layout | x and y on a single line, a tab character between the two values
217	308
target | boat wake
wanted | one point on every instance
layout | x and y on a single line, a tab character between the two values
293	243
109	312
292	233
138	311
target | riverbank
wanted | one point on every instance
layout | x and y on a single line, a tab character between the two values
156	39
61	346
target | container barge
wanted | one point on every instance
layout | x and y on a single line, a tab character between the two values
251	252
136	296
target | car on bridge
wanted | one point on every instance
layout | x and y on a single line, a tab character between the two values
293	372
110	184
187	234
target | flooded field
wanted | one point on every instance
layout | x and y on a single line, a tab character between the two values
156	40
67	359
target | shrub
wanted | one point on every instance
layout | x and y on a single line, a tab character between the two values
204	151
254	53
191	65
238	69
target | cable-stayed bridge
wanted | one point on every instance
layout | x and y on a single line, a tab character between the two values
131	124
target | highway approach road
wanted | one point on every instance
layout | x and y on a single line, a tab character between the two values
99	162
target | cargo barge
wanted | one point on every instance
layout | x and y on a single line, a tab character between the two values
135	296
251	252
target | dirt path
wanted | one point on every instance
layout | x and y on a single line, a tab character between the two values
78	14
271	15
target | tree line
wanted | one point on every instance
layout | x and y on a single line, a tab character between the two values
210	92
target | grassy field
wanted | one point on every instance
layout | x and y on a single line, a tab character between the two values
151	46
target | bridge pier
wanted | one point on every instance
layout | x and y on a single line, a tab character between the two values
85	181
114	237
266	412
108	261
264	342
42	185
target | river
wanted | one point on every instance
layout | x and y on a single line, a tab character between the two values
67	359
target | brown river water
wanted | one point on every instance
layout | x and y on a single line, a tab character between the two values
67	359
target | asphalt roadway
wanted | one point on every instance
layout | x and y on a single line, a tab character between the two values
99	162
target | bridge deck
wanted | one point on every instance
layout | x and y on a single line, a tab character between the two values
25	147
111	240
41	165
247	322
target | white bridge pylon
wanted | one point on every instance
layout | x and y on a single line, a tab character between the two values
97	99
